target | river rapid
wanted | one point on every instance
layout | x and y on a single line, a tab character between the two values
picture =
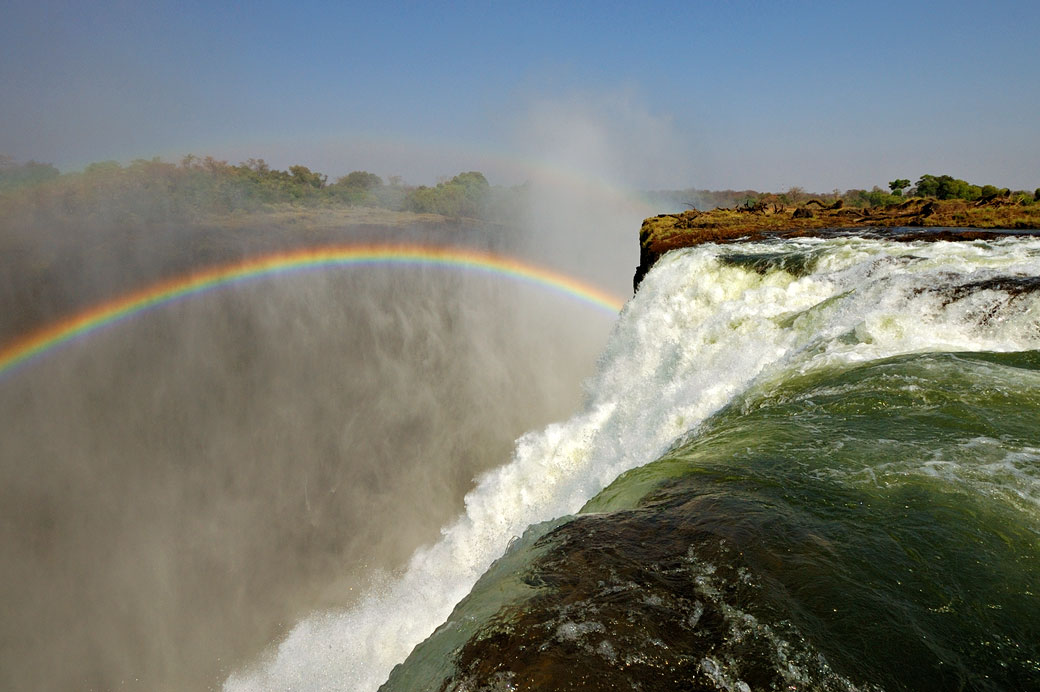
802	464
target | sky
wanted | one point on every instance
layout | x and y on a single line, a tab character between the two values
665	95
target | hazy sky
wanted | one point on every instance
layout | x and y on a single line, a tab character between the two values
707	94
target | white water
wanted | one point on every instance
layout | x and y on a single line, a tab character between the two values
697	334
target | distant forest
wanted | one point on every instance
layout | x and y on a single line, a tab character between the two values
157	191
68	240
899	190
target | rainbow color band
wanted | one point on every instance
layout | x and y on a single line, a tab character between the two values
92	319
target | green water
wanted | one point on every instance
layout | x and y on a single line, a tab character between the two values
890	510
808	464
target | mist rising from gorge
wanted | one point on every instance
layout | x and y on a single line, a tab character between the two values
179	489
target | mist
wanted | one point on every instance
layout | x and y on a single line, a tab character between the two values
587	156
178	490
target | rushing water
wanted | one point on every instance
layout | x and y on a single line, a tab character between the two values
808	464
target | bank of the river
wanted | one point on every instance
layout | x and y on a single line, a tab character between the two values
915	219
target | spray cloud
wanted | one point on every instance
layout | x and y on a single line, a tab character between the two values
180	489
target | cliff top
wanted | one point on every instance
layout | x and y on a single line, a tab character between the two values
915	219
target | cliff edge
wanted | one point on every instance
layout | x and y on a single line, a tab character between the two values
915	219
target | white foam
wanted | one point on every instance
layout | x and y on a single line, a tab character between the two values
698	333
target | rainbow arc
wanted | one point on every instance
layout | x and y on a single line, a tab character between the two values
35	344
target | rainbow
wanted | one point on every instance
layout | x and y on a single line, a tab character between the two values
35	344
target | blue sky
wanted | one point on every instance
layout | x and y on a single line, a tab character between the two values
706	94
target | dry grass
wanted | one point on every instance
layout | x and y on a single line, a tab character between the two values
669	231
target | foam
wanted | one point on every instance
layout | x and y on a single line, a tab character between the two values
698	334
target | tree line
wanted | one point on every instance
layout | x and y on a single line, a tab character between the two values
899	190
155	190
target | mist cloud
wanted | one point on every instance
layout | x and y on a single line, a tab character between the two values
177	490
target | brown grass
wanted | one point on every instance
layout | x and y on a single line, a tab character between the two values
669	231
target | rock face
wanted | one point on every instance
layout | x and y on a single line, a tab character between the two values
655	601
915	219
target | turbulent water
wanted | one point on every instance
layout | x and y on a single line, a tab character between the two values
807	464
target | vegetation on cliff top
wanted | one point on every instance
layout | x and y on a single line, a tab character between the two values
155	190
202	210
941	187
935	201
201	189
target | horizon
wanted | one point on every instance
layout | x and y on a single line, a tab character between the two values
665	97
440	179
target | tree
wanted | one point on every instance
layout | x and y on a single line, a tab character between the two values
898	185
879	198
13	174
258	166
360	180
464	195
358	187
947	187
473	181
303	176
794	195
